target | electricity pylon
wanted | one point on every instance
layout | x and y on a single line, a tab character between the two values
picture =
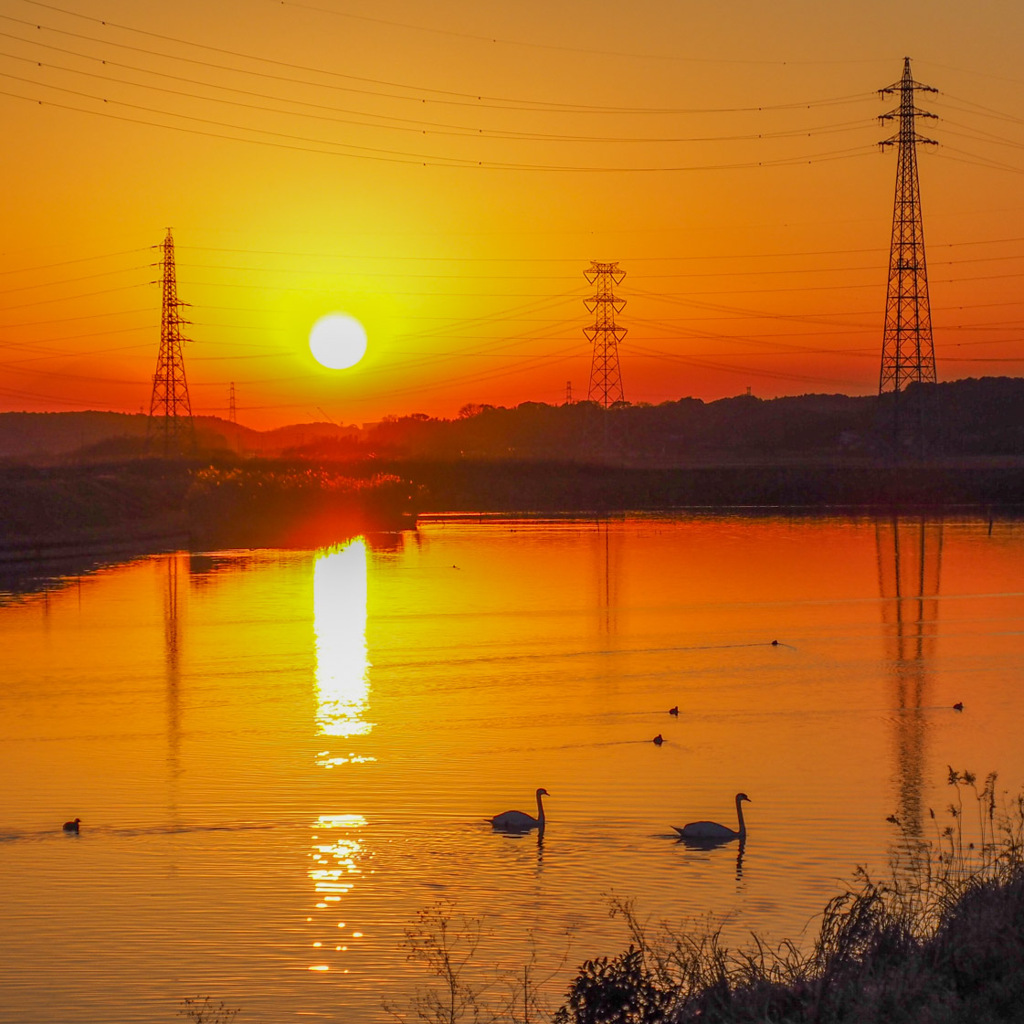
232	408
170	401
605	378
908	355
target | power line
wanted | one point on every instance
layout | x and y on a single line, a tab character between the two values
67	280
385	122
691	257
413	92
71	319
434	30
68	263
267	137
76	298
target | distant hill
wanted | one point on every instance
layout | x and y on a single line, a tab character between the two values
96	436
962	418
974	417
28	435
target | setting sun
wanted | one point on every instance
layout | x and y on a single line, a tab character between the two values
337	341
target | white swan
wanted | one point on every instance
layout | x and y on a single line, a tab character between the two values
712	830
520	821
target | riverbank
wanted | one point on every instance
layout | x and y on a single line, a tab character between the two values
150	505
145	505
940	941
522	486
871	964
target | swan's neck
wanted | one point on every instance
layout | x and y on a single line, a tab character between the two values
540	810
739	814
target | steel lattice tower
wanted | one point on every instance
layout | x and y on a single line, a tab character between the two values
908	355
170	401
605	378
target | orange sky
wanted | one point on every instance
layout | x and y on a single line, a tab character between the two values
446	174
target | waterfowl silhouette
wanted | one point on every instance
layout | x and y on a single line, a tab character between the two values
658	740
674	711
71	826
711	830
958	706
520	821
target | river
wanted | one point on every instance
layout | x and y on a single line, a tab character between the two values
281	759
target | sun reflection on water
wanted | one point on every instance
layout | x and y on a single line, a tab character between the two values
343	691
336	862
339	623
325	760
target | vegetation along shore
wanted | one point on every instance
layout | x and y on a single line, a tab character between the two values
86	479
940	940
145	504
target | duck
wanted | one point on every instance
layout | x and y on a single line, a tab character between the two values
958	706
674	711
71	826
658	740
711	830
520	821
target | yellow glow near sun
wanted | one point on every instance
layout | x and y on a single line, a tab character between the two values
337	341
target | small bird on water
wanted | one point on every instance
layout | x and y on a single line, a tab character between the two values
958	706
71	826
674	711
658	740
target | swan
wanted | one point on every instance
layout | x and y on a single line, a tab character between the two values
712	830
71	826
520	821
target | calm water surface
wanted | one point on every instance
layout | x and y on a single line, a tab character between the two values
281	757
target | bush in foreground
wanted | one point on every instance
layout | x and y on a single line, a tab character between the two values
939	942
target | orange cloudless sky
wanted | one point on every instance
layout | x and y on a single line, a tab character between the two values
446	173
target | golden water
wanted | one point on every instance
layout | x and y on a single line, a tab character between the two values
280	758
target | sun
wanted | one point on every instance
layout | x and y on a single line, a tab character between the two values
337	341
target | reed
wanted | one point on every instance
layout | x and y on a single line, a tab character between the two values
941	939
206	1011
292	505
465	987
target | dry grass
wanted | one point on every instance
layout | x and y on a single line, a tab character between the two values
941	940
